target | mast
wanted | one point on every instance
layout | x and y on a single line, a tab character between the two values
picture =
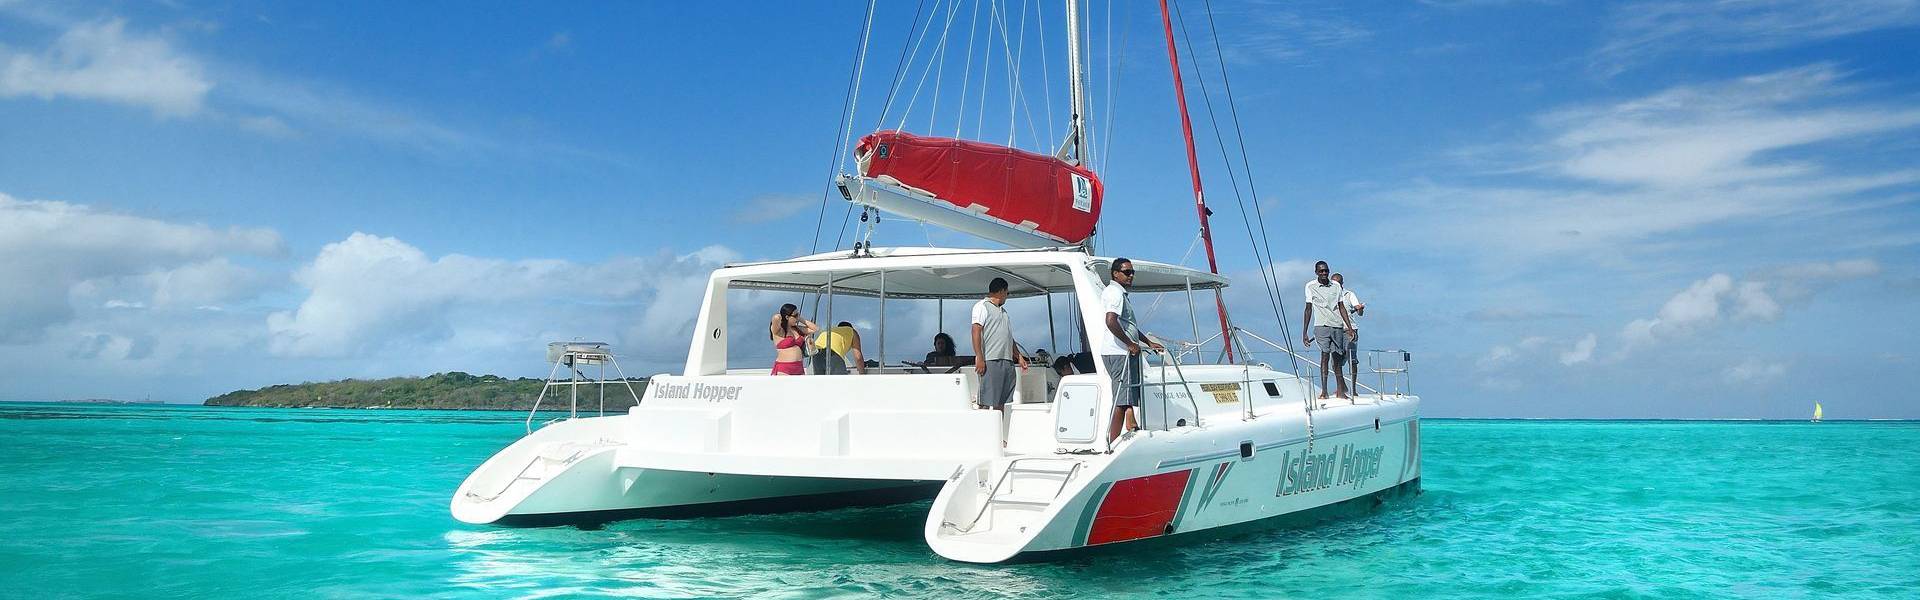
1193	169
1074	149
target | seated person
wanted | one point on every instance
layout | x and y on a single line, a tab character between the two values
1062	367
836	348
942	353
1082	362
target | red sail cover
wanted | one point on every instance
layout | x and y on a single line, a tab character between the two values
1019	188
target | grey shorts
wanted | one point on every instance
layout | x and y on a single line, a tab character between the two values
1125	371
996	386
1332	339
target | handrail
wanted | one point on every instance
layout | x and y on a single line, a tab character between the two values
1169	358
575	378
1314	368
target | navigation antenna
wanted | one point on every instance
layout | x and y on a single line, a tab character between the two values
574	356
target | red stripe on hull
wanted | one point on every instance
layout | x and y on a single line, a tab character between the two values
1138	508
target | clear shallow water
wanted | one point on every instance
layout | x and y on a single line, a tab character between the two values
231	502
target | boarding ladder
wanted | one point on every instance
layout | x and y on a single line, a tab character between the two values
528	472
1006	494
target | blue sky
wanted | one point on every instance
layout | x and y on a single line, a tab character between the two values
1647	209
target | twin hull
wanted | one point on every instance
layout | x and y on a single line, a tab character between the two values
990	507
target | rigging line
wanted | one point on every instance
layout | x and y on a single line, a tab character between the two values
846	115
1026	106
1014	57
1113	76
906	58
1231	175
966	75
986	68
1233	178
940	71
1046	80
1241	140
1086	121
923	74
859	70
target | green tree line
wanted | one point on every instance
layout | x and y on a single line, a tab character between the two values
441	390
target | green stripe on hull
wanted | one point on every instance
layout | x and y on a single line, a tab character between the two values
1087	513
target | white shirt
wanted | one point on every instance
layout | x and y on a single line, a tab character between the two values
1113	299
1324	298
994	335
1347	298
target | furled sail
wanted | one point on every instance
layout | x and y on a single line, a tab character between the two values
1005	194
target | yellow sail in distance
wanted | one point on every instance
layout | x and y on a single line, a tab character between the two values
1816	411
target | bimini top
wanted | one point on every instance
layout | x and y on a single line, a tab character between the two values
952	273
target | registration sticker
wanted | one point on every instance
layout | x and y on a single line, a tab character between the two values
1223	393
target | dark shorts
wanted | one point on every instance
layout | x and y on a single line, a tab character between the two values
1332	339
1125	370
825	362
996	386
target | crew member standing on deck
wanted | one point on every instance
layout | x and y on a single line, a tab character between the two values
1120	349
994	351
1324	322
1355	310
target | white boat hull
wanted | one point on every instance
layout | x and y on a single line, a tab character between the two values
1181	481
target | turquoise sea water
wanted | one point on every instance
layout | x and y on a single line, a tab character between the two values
229	502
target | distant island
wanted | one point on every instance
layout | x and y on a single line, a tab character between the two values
454	390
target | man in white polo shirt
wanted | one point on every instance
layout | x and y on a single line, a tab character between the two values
1324	322
1119	350
994	351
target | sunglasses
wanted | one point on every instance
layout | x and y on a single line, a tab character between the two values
1128	272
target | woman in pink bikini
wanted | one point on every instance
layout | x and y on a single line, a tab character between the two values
789	333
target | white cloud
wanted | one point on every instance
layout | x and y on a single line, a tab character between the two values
1281	32
1648	29
204	284
1753	371
1499	356
1699	136
1719	299
1605	182
54	253
369	294
1581	352
771	207
101	61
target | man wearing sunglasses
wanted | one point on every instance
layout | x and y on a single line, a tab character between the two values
1325	323
1120	349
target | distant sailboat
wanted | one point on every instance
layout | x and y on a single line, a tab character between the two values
1816	412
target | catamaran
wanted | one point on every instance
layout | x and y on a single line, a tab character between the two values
1224	439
